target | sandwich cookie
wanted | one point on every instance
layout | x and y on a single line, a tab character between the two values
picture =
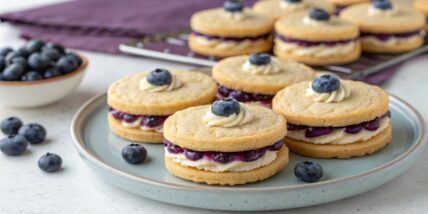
230	31
279	8
256	78
316	38
140	103
332	118
227	143
387	27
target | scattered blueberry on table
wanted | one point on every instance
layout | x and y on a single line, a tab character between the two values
134	153
36	60
35	133
11	125
50	162
13	145
308	171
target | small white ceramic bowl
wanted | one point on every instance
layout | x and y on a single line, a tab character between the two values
28	94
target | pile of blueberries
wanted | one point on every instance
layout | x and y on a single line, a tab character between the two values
36	60
18	138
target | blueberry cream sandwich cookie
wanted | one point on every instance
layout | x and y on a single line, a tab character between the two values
230	31
227	143
316	38
256	78
332	118
279	8
387	28
140	103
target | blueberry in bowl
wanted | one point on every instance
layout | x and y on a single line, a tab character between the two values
38	74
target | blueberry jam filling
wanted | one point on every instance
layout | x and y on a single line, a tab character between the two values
384	37
304	43
311	132
236	39
223	157
245	97
150	121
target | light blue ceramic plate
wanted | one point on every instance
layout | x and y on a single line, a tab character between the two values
342	178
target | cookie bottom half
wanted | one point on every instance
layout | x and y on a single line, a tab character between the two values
356	149
264	46
135	134
317	61
397	48
229	178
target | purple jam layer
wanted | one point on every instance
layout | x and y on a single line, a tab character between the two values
223	157
384	37
237	39
150	121
305	43
245	97
311	132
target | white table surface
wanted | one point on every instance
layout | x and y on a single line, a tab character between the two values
26	189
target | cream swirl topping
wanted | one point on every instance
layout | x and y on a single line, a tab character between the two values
285	5
244	116
235	15
146	86
373	11
335	96
313	22
273	67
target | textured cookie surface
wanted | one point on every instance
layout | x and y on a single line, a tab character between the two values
273	8
186	129
134	134
356	149
218	22
229	178
125	95
346	2
365	103
336	29
229	73
320	61
404	21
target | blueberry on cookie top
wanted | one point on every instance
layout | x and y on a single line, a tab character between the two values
233	6
159	76
259	59
225	107
319	14
382	4
325	84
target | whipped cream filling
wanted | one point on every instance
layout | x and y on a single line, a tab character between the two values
290	6
273	67
244	116
229	44
137	124
146	86
320	50
336	96
373	11
339	136
391	40
233	166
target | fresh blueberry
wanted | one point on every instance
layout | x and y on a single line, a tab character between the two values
51	73
240	96
259	59
319	14
51	53
38	62
325	83
382	4
253	155
193	155
174	149
129	118
66	64
318	131
13	72
354	129
34	46
117	114
134	153
2	63
11	125
159	76
277	146
22	51
50	162
5	50
222	157
76	58
233	6
33	132
19	60
372	125
225	107
13	145
153	121
31	76
10	56
293	1
58	47
308	171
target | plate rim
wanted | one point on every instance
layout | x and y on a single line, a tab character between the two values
88	155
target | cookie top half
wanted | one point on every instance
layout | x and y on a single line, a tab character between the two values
187	129
239	74
365	103
219	22
279	8
371	20
300	26
193	89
